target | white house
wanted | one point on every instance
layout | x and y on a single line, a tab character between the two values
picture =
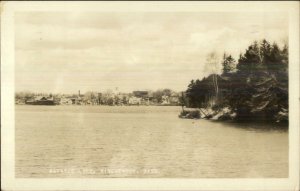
66	101
135	101
165	100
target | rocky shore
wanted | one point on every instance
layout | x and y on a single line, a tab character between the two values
226	114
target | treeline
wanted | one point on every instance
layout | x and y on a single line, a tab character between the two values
255	87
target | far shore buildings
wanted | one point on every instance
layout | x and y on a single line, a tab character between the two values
138	97
170	100
141	97
135	101
75	99
41	100
66	101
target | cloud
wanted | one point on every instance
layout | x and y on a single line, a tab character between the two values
130	50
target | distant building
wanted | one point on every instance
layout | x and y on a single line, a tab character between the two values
165	100
144	96
77	100
41	100
134	101
66	101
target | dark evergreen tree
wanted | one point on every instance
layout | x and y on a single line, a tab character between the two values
258	89
228	64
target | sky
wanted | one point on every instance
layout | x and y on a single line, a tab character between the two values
63	52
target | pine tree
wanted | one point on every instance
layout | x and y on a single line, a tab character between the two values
228	64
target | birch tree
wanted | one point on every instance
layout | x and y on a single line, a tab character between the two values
213	66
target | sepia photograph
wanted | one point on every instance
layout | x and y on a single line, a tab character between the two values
152	93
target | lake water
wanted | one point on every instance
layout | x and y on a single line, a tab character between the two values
144	142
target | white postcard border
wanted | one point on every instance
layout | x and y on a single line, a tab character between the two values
9	182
